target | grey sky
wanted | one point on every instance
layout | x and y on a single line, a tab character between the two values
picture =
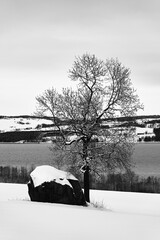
39	40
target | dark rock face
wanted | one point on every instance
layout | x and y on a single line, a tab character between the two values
55	192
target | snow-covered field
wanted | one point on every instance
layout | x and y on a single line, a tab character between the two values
125	216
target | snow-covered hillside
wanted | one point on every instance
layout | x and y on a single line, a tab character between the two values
17	124
125	216
21	124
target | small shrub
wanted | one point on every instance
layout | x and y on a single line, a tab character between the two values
99	205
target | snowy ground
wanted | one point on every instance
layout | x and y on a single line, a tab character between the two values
126	216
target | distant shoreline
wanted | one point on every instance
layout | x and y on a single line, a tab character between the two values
148	142
158	142
24	143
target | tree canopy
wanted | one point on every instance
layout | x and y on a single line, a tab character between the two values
104	90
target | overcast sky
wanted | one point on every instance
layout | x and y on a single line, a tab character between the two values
39	40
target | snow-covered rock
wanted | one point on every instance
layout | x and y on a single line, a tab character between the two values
46	173
48	184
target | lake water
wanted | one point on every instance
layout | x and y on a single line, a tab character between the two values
25	154
147	159
146	156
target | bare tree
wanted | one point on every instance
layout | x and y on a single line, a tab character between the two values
104	90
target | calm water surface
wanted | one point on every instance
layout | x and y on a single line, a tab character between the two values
147	159
25	154
146	156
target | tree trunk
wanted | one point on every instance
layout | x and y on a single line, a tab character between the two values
86	184
86	169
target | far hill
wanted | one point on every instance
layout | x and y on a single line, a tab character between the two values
34	128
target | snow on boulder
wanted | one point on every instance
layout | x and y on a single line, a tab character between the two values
47	173
48	184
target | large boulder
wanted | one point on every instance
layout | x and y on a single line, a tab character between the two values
48	184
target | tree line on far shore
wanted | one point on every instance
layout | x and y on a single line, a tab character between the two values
111	181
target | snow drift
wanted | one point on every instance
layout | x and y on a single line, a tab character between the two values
126	216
